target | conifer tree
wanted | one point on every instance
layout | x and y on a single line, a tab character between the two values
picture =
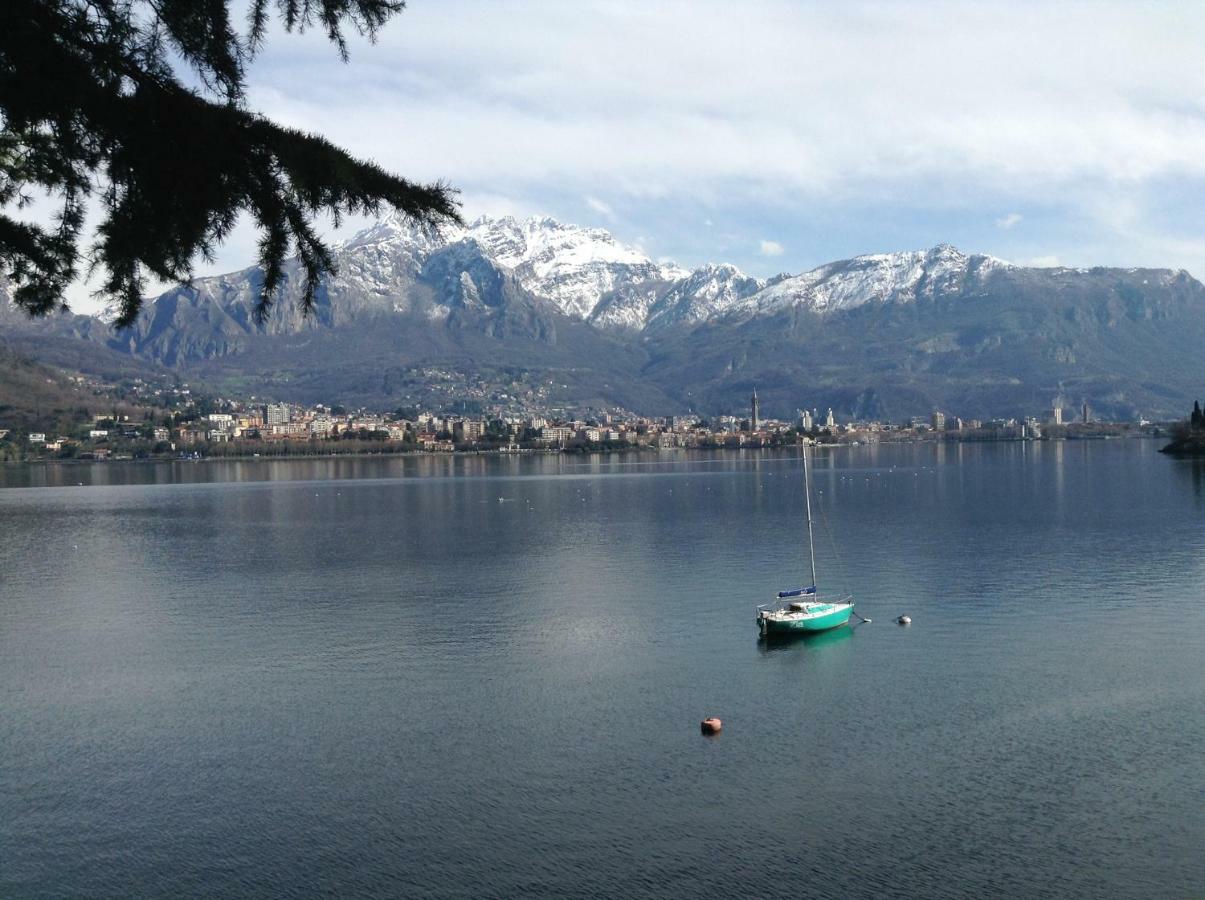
92	105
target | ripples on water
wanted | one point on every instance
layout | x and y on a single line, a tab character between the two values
372	677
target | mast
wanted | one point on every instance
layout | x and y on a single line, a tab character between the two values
807	501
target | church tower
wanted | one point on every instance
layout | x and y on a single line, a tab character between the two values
755	417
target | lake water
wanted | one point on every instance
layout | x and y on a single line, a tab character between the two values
482	676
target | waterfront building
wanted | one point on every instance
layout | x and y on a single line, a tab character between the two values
829	420
278	414
468	430
287	430
1057	415
755	412
938	420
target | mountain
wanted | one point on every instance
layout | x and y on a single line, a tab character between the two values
703	294
565	315
880	278
70	342
974	338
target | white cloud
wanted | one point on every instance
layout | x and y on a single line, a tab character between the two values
1009	221
630	95
600	207
770	248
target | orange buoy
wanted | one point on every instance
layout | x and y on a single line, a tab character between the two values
712	725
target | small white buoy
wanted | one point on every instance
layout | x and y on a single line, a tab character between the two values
905	620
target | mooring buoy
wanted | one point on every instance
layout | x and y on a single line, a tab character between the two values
711	725
905	620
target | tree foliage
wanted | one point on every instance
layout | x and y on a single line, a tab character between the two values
92	105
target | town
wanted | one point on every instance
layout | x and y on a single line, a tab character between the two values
195	427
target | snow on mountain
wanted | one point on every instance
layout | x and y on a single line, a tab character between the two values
882	277
575	268
708	291
583	272
588	274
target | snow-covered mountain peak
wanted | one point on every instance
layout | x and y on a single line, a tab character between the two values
708	291
574	267
588	274
545	242
898	277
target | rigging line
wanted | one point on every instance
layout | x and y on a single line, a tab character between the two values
832	544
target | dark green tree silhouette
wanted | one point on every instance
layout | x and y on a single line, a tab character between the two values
92	105
1198	418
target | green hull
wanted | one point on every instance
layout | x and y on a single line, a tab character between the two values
834	619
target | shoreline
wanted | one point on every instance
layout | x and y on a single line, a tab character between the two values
583	451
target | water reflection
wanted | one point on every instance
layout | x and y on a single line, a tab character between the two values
1194	471
771	643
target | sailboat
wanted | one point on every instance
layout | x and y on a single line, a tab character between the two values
802	610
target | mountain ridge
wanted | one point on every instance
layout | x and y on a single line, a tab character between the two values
889	333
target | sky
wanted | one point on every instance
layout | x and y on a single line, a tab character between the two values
781	135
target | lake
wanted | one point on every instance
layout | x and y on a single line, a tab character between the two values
484	676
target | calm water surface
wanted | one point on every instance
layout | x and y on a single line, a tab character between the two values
471	676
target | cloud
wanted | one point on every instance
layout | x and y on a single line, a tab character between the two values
631	95
770	248
599	207
1009	221
1043	262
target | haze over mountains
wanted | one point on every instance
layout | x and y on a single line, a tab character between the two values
599	323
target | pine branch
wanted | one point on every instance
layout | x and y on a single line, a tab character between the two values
176	166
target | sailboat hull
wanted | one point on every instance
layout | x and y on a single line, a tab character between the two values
818	621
